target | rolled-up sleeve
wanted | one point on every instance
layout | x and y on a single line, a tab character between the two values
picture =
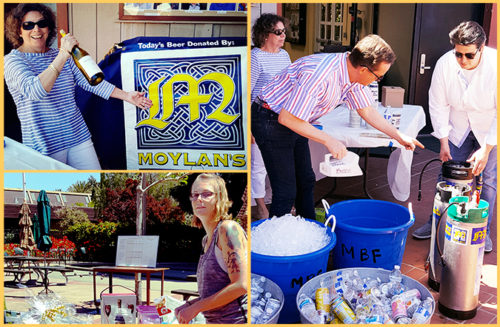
19	76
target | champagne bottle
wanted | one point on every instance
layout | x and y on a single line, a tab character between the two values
86	64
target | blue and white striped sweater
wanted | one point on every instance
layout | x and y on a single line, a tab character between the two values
264	66
50	122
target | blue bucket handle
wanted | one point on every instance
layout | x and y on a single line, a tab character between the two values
410	210
325	205
334	221
330	217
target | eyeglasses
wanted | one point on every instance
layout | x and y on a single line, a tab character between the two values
204	195
28	26
469	55
379	78
278	32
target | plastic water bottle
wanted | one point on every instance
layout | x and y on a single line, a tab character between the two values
396	277
423	312
411	305
388	114
272	306
256	313
258	282
308	309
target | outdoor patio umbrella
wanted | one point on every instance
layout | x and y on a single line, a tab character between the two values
27	242
36	228
43	209
44	243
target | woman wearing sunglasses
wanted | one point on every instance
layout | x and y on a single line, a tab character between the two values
267	60
42	83
463	110
222	268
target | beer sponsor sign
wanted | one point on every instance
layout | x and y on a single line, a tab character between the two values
199	114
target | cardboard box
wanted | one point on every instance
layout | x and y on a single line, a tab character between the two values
393	96
110	302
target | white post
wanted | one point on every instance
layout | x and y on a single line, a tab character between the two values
24	187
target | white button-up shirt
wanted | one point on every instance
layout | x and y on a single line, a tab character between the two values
457	106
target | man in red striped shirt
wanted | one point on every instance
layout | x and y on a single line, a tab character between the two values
282	116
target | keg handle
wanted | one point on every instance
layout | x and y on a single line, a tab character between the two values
334	221
438	229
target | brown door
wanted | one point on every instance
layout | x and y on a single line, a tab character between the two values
433	22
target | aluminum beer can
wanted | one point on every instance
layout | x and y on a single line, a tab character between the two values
398	307
343	310
336	320
323	302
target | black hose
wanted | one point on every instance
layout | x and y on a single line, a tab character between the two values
419	197
437	232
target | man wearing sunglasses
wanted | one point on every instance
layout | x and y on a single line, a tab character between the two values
462	107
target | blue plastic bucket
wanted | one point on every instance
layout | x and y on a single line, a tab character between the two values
291	272
370	233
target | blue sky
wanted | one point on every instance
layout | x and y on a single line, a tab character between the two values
46	181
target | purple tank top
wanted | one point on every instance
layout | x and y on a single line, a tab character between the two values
211	279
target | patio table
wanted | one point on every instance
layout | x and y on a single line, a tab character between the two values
29	263
123	269
336	123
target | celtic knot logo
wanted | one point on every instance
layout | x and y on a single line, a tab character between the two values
196	103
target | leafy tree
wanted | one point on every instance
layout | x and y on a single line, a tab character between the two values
70	216
122	207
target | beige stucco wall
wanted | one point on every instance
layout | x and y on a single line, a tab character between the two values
98	28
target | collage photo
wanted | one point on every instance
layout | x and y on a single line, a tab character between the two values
249	163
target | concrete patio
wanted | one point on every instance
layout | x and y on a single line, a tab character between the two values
79	289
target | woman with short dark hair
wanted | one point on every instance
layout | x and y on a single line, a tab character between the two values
267	60
42	83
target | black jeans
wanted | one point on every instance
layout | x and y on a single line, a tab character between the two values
288	163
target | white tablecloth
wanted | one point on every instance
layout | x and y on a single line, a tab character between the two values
20	157
336	123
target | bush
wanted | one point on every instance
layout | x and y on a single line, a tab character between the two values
70	216
98	240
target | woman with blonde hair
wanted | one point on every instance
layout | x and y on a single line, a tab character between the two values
222	268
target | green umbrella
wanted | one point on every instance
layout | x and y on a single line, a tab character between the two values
43	208
36	228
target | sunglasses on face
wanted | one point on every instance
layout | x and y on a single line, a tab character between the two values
27	26
469	55
279	31
379	78
204	195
